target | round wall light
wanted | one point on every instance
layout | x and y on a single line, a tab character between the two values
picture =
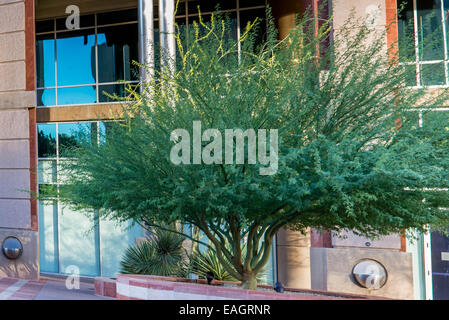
370	274
12	248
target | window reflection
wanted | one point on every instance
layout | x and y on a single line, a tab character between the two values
71	135
430	29
81	65
117	17
117	48
422	41
210	6
46	138
260	28
112	92
47	171
46	97
432	74
45	66
77	95
106	129
76	57
406	33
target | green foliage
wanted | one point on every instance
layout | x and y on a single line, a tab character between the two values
162	254
202	262
344	160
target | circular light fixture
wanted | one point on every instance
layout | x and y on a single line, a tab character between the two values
370	274
12	248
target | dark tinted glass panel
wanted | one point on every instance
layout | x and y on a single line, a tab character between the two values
85	21
251	3
204	17
46	97
71	135
113	92
430	30
406	30
105	129
117	17
117	48
182	29
230	18
77	95
432	74
45	26
211	6
45	61
46	139
181	9
157	47
76	57
258	32
410	75
440	266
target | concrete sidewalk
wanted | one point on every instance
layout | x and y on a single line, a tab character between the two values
18	289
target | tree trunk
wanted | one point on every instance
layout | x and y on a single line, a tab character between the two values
249	281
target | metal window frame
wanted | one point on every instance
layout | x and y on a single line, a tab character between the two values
57	203
418	63
96	26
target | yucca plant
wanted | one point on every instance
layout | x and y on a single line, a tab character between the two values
205	261
162	254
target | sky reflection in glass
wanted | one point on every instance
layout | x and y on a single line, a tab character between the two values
76	58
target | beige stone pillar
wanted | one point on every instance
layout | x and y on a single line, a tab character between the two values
284	12
293	248
18	212
293	259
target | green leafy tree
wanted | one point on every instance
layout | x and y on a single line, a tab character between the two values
350	152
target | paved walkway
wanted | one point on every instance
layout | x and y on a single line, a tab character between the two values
17	289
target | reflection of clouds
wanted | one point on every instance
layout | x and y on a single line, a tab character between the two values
48	238
114	240
77	241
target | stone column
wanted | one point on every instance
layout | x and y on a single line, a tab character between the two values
284	12
18	211
146	38
292	257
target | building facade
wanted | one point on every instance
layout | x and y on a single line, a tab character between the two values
57	76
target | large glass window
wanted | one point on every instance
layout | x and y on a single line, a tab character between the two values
85	66
72	238
94	63
423	41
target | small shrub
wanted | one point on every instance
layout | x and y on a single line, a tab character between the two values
162	254
202	262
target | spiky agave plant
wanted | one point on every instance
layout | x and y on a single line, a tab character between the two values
205	261
162	254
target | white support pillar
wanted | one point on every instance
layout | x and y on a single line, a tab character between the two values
167	32
146	38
